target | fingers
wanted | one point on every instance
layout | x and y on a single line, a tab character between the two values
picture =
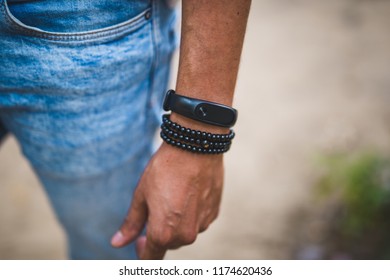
134	222
152	251
160	238
140	245
207	218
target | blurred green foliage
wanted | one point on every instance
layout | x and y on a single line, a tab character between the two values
361	184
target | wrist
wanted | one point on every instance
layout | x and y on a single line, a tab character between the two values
174	154
196	125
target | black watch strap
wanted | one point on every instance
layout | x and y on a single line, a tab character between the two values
200	110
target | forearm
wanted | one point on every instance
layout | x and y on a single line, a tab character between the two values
212	37
179	192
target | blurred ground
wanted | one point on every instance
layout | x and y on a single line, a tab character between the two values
314	78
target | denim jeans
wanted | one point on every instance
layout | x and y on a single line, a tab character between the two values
81	86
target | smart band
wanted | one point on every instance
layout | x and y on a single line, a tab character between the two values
200	110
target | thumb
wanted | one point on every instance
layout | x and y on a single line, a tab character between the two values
134	222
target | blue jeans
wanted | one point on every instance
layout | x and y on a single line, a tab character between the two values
81	86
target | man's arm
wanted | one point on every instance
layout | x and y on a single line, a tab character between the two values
179	193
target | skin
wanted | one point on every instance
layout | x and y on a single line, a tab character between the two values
179	193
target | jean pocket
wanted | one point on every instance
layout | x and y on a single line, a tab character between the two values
101	34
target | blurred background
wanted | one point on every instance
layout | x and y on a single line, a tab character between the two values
308	176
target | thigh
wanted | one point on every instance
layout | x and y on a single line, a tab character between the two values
79	108
77	102
92	208
83	107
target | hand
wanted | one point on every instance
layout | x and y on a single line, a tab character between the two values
178	196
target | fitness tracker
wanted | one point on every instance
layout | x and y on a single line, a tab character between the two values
200	110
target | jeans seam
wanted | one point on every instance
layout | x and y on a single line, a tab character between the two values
155	42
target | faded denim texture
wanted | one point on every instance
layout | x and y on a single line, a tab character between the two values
81	89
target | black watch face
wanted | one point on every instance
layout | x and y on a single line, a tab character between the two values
215	114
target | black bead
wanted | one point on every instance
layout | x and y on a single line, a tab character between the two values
182	137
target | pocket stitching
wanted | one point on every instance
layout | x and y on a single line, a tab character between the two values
126	26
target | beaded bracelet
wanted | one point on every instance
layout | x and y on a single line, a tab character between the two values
193	140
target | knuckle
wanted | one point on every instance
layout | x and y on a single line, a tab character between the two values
162	239
203	227
188	237
215	215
